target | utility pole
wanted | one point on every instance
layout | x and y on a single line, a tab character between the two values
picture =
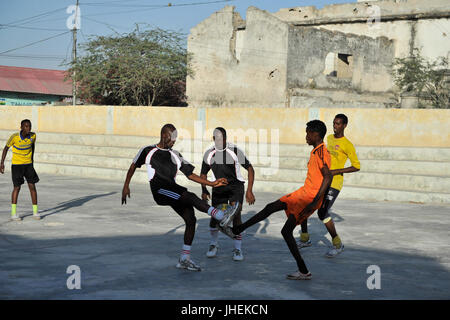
74	57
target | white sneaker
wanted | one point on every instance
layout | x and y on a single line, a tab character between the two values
302	244
229	215
237	255
212	252
188	264
16	217
334	251
297	275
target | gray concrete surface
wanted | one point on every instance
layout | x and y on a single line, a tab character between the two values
130	252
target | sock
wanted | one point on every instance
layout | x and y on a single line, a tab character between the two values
13	209
238	242
214	235
35	208
337	242
215	213
186	253
304	237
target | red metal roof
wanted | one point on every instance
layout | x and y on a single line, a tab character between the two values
31	80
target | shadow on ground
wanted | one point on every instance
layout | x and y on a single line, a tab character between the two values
143	267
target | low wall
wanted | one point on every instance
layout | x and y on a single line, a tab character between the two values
367	127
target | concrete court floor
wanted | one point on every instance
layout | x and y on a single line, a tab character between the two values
130	251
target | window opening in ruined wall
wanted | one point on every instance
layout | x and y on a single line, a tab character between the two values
339	65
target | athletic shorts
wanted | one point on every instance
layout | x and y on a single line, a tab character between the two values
168	194
21	171
330	197
227	194
297	201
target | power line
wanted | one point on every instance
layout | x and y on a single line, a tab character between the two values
39	41
30	28
24	20
154	5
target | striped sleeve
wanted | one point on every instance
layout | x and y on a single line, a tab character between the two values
320	156
243	161
205	165
11	139
139	159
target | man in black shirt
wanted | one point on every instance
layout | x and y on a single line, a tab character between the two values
224	160
162	165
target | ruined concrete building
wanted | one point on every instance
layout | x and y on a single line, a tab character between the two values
338	56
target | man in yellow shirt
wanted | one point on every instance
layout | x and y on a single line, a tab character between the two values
340	149
22	144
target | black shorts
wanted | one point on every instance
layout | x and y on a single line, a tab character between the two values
328	202
19	171
167	194
226	194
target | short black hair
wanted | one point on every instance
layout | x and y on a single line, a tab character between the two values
167	127
317	126
343	117
223	131
25	120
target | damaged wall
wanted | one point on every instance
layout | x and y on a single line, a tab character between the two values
236	66
360	74
305	57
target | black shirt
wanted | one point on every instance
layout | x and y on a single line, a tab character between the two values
162	164
225	163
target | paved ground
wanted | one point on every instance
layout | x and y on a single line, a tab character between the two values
130	252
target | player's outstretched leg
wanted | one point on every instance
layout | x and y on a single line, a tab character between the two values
287	232
263	214
224	217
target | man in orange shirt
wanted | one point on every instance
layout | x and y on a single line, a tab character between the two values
300	204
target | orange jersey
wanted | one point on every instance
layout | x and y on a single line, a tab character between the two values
297	201
318	158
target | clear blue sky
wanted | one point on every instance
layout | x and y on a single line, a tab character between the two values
24	22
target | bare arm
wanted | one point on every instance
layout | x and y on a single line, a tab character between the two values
126	185
2	163
205	192
219	182
345	170
249	196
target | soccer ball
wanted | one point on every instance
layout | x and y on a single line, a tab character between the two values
223	206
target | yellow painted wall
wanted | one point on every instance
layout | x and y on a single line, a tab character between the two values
371	127
82	119
145	121
10	117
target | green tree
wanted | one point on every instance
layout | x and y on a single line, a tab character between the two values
429	80
139	68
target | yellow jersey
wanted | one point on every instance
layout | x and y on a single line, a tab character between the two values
340	150
22	147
